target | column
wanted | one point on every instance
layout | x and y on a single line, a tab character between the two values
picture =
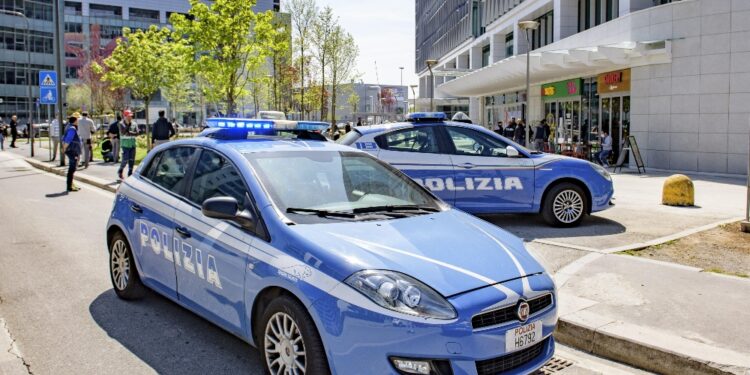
565	18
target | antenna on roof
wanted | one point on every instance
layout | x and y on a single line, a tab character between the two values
377	77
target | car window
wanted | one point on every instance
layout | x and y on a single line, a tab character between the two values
474	143
422	139
215	176
349	138
172	167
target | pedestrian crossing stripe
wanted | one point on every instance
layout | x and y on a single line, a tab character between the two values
47	81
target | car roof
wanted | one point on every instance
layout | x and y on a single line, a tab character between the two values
381	128
266	144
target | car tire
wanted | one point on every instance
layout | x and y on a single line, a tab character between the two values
122	269
298	344
565	205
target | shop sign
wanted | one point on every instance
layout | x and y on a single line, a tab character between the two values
562	89
618	81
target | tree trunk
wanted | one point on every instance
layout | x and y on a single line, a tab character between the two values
302	85
148	125
333	97
322	87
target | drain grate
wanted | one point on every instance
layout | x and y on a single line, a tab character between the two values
555	365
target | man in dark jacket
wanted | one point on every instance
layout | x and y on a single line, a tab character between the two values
72	146
13	131
519	135
540	135
510	130
114	135
162	131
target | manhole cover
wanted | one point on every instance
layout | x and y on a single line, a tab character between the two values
556	364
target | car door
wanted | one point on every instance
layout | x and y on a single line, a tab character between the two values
487	180
213	253
416	151
155	194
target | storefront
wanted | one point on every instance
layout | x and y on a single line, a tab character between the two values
562	110
614	108
504	107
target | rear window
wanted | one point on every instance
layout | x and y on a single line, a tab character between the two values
349	138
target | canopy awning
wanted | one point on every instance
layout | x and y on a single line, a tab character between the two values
556	65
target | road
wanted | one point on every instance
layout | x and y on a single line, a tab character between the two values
59	315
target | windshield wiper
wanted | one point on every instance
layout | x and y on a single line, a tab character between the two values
321	213
404	207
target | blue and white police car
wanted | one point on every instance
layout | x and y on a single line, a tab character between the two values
327	259
481	172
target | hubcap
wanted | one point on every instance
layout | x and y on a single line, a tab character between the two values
285	349
568	206
120	265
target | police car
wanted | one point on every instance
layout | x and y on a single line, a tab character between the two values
327	259
481	172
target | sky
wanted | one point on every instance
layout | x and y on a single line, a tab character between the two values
384	32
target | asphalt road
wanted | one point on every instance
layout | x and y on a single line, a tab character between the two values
59	315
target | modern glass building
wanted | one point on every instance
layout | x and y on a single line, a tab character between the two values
672	74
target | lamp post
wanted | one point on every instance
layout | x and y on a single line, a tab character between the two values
29	118
745	225
526	26
414	96
402	75
430	64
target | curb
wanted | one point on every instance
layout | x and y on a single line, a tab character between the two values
97	182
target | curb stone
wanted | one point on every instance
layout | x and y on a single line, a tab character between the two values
97	182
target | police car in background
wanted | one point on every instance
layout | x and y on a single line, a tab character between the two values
481	172
326	258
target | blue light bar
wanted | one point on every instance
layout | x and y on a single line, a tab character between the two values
239	123
426	116
312	125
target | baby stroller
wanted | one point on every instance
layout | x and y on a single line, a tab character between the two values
106	150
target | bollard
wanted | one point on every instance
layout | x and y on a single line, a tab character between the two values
678	191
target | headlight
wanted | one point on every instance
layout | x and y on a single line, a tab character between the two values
599	169
398	292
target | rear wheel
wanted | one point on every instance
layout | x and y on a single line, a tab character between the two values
565	205
122	270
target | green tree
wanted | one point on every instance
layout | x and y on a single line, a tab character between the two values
323	28
353	101
343	59
229	41
303	14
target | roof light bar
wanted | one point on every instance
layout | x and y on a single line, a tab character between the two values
421	116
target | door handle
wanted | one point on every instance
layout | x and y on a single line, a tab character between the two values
466	165
136	208
183	232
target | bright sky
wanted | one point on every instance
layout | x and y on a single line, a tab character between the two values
384	32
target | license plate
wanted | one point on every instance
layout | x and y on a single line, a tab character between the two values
523	336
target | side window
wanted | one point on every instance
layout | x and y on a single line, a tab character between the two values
215	176
474	143
420	139
148	171
171	168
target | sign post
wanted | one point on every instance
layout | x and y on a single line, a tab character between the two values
745	225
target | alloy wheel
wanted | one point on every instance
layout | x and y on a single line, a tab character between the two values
120	265
568	206
284	346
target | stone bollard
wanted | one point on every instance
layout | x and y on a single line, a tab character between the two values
678	191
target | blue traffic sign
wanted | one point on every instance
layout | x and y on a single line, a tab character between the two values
47	78
48	95
47	87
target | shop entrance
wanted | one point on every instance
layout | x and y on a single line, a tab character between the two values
614	114
565	115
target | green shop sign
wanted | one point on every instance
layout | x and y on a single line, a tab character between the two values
562	89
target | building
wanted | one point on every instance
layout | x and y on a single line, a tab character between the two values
90	29
674	75
377	103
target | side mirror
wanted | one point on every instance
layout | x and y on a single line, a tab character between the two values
227	208
511	152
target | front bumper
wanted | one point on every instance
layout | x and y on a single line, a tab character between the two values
360	341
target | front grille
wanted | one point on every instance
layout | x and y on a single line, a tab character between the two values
508	314
510	361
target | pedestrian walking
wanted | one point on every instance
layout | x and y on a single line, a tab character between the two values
113	132
347	128
519	133
510	130
359	121
499	130
540	134
161	131
2	134
603	156
128	132
548	132
13	131
72	147
86	131
54	137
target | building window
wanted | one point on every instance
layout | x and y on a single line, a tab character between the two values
509	44
592	13
73	27
12	73
15	40
106	11
146	15
485	56
73	8
543	35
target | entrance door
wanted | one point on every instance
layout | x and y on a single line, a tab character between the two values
615	119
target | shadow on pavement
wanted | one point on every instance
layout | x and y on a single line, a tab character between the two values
531	227
171	339
56	195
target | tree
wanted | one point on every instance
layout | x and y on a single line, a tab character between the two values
280	54
230	40
303	14
323	28
78	96
353	101
343	59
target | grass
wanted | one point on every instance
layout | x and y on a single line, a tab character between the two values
636	252
722	272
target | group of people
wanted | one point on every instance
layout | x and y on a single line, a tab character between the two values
9	130
516	130
120	145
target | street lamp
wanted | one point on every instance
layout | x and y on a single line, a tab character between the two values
745	225
29	119
430	63
526	26
414	96
402	75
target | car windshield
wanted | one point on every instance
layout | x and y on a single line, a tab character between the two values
339	186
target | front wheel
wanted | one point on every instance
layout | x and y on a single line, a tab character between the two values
565	205
122	271
290	343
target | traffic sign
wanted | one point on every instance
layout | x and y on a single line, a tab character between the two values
47	87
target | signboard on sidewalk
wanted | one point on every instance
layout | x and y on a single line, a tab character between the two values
47	87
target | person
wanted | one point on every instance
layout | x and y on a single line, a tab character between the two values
499	129
548	133
114	135
161	131
72	146
85	131
539	136
510	130
519	133
176	126
106	150
13	131
333	132
2	135
359	121
128	132
54	137
347	128
606	149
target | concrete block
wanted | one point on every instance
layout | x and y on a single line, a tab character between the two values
686	85
678	189
739	83
659	141
688	9
683	142
737	164
661	71
660	105
716	43
639	73
711	64
685	123
714	103
639	123
714	83
714	122
739	123
682	104
683	160
715	6
640	88
740	62
712	163
658	159
712	143
740	20
661	86
686	66
740	42
715	23
738	143
739	102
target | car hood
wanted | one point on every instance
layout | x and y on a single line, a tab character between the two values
450	251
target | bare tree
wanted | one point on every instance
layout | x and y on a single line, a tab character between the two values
343	59
323	28
303	14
